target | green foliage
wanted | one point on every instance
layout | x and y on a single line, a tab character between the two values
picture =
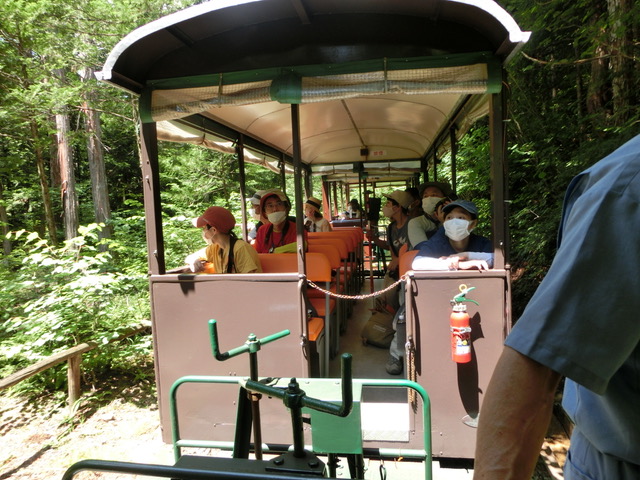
473	176
58	297
563	119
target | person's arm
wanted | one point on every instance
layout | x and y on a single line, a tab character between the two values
514	418
416	231
375	239
429	263
196	260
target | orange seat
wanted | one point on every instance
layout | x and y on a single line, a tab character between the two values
405	261
278	262
358	238
343	250
316	324
350	265
337	285
333	255
318	271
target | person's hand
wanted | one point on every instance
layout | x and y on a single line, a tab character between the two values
453	261
393	264
473	264
195	264
368	232
460	261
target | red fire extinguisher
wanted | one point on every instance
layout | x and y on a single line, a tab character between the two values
460	329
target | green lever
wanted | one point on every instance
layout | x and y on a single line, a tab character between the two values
461	297
252	345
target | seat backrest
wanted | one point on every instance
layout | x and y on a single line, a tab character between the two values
337	242
329	250
278	262
406	259
357	238
318	267
357	232
345	236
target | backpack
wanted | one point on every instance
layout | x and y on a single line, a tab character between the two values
378	330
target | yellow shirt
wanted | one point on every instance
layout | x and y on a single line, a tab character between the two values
245	258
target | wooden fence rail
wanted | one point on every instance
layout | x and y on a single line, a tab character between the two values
73	356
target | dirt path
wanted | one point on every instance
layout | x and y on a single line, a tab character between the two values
40	441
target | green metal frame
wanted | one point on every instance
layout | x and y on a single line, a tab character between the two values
424	455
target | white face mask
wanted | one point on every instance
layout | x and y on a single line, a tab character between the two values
457	229
387	211
207	235
277	217
429	204
255	216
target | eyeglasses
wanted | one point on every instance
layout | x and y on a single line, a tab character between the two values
273	205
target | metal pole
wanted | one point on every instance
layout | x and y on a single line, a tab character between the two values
243	207
295	134
152	202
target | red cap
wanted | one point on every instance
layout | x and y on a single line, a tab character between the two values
218	217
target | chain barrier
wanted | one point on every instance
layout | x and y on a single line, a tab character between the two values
403	278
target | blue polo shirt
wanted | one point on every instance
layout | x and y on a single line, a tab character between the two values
583	321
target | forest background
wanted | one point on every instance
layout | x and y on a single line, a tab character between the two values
73	264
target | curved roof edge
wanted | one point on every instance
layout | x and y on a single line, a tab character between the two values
516	35
428	8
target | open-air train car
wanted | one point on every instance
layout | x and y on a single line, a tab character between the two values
354	91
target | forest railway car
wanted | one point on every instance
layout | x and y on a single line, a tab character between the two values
359	92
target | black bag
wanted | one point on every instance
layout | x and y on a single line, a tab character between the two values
378	330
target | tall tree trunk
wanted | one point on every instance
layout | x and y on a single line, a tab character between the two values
620	63
598	92
95	153
44	185
67	172
4	220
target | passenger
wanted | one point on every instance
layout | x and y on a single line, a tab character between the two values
353	209
226	252
256	214
395	209
454	246
314	221
582	324
372	204
415	209
440	208
423	227
278	236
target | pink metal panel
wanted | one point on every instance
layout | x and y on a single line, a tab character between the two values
456	390
262	304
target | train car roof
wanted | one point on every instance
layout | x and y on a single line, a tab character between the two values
381	83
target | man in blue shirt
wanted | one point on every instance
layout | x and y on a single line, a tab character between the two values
581	323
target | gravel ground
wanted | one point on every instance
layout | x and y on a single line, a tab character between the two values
40	440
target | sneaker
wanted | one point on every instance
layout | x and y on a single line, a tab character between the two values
394	365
